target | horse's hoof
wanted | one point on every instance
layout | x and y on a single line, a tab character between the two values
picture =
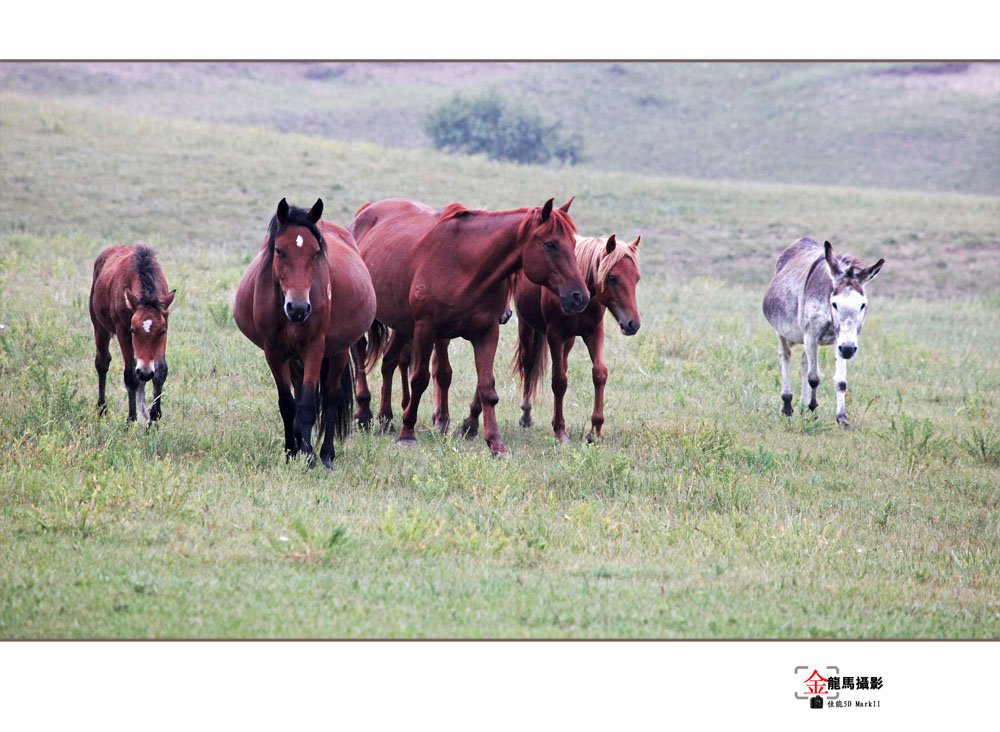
562	437
501	452
842	421
406	441
592	438
470	429
442	426
328	463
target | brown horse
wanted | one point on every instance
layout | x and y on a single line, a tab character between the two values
129	299
446	274
612	273
304	300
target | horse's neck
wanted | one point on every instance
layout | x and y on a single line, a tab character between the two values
499	254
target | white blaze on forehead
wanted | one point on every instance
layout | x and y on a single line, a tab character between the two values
329	292
146	324
298	241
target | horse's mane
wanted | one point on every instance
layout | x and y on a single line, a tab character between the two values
594	260
144	262
559	222
296	217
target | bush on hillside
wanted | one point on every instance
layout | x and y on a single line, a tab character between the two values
487	124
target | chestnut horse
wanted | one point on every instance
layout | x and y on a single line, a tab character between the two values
612	273
304	300
129	299
446	274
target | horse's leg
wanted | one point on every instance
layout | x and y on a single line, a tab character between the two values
363	414
102	362
421	348
128	356
159	377
286	402
810	365
404	376
331	395
305	402
595	345
560	351
470	425
441	371
840	381
390	360
485	348
527	352
784	355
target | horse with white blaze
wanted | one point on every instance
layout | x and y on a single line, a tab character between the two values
817	298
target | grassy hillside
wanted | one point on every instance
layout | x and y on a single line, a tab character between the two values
906	126
703	513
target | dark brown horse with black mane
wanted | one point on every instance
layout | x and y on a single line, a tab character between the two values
129	299
304	300
446	274
612	273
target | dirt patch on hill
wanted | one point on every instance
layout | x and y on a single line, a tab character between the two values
965	77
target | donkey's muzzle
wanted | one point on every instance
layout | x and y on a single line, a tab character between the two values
573	302
297	310
847	350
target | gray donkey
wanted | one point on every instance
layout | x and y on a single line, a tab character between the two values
817	298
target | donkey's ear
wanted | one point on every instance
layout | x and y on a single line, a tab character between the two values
316	211
167	300
611	243
546	211
130	299
831	261
867	275
565	207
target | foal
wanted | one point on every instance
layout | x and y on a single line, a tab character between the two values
612	273
129	299
817	298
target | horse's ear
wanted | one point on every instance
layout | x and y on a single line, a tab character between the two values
831	261
546	210
867	275
316	211
611	243
168	299
282	211
130	299
636	242
565	207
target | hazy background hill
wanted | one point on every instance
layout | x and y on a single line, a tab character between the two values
926	126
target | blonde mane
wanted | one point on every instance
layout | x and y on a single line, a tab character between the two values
595	263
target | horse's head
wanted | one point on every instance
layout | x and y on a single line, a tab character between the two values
848	302
297	247
149	332
548	257
617	277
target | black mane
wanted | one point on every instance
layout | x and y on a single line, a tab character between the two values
144	261
296	217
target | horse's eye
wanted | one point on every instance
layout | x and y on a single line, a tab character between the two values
834	305
612	279
550	245
279	253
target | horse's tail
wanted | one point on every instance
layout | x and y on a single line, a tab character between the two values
343	406
378	341
530	362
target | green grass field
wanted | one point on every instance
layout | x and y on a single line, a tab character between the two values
702	514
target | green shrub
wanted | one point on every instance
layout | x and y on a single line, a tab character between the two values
487	124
